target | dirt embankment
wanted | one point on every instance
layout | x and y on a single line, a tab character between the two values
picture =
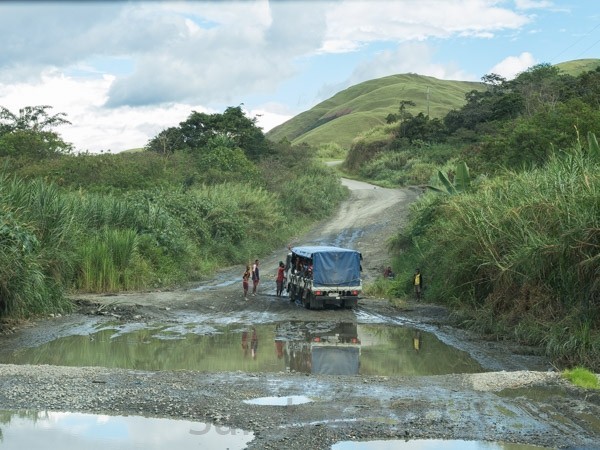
517	400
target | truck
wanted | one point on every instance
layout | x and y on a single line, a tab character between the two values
324	275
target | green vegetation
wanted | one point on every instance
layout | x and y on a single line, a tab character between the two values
582	377
157	217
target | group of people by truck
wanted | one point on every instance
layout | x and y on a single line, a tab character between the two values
317	276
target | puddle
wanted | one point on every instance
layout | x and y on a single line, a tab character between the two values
66	431
279	401
307	347
430	444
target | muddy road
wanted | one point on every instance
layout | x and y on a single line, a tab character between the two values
515	397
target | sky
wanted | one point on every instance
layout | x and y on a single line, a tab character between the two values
124	71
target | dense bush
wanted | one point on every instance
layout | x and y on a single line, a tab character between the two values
518	255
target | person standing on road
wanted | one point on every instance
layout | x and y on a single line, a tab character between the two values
418	282
245	278
255	277
280	278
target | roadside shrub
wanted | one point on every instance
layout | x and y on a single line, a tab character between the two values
522	246
313	193
331	151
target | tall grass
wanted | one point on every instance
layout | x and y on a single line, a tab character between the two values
35	248
107	260
523	248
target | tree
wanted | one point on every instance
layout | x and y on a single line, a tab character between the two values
403	114
421	127
28	133
391	118
34	118
199	129
493	81
540	87
167	141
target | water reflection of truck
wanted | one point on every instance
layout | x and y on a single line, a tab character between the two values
324	275
334	351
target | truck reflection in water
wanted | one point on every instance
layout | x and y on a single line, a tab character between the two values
319	348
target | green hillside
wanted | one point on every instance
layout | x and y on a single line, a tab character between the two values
578	66
361	107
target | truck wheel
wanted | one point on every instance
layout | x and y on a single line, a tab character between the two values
314	304
306	301
296	291
349	304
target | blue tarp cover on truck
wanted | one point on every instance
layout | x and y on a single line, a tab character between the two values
332	266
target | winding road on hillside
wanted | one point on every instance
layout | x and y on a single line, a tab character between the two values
515	397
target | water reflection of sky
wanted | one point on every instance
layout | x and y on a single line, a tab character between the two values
70	431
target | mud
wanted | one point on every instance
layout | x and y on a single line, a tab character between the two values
519	397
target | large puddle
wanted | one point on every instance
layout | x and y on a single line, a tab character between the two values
307	347
75	431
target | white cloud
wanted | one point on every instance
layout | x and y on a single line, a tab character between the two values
352	23
93	127
511	66
270	115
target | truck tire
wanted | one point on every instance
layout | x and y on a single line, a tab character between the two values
306	301
350	304
315	304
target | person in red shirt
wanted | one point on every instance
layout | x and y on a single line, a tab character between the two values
279	281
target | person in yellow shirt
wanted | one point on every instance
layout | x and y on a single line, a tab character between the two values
418	282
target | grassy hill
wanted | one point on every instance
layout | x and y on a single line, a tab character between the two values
363	106
578	66
366	105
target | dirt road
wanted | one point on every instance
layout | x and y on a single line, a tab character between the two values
517	399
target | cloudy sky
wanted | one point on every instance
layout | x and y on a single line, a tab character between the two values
123	71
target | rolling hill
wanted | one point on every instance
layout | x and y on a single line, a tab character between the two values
363	106
578	66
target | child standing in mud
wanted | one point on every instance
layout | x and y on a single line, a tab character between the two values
245	278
